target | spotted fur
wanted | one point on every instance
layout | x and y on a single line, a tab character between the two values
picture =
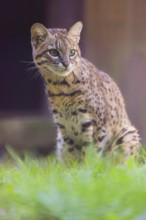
87	106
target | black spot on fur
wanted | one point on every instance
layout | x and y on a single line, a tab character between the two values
120	140
77	81
74	113
49	81
100	139
41	62
61	126
86	125
69	141
82	110
76	133
77	92
63	82
55	111
78	147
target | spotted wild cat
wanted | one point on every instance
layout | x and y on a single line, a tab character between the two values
87	105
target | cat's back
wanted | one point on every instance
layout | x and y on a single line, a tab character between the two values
94	77
102	93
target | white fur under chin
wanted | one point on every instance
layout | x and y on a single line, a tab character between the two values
61	73
64	72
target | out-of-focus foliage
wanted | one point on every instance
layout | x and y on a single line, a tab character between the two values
95	189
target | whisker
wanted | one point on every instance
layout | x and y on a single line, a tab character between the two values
27	62
36	75
33	72
32	68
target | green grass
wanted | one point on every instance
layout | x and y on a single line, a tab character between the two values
35	189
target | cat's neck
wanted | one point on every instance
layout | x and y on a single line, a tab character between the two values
54	78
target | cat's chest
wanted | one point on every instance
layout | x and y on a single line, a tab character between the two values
70	112
69	107
71	119
65	98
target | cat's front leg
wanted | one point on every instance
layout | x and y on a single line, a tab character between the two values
66	149
70	149
59	146
87	136
76	150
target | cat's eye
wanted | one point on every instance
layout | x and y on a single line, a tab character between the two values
54	52
72	53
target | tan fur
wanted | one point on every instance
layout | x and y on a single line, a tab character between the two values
87	105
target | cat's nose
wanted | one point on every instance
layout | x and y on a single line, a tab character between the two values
65	62
65	65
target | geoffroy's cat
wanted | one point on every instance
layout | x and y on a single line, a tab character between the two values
87	106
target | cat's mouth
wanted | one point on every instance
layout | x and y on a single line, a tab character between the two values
62	71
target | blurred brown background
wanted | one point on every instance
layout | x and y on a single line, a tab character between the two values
116	42
113	38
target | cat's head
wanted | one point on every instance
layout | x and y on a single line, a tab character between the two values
56	50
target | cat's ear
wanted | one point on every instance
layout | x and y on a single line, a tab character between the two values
75	30
39	33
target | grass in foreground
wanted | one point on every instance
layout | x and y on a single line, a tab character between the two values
43	189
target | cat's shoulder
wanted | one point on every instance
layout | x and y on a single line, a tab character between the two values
92	70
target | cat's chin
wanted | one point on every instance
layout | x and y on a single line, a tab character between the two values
62	73
58	72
